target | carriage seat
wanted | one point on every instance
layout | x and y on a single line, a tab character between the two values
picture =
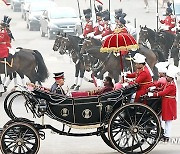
49	96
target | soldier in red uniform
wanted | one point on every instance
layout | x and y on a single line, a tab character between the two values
4	38
89	25
169	21
120	26
169	104
107	26
98	28
142	76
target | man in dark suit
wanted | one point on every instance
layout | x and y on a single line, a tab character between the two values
59	82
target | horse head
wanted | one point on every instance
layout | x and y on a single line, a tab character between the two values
65	43
143	35
57	42
89	43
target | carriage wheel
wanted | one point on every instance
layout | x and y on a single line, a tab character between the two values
105	138
134	128
20	138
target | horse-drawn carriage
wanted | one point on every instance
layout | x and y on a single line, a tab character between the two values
124	126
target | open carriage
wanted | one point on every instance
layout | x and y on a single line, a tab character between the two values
124	126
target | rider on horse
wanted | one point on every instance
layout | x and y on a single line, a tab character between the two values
169	21
4	43
89	24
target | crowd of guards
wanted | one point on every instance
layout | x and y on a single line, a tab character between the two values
103	26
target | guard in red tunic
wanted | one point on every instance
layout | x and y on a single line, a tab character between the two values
3	42
89	25
169	104
98	27
120	26
142	76
169	21
88	28
107	26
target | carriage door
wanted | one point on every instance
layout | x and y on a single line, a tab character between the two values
87	110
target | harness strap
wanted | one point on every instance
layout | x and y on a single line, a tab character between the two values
7	63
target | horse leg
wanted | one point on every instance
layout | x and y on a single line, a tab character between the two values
175	55
8	81
155	72
76	76
81	71
22	78
1	87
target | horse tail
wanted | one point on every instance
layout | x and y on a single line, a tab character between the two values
42	71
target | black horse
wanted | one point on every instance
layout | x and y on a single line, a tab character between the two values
29	63
72	45
57	42
112	63
148	35
91	52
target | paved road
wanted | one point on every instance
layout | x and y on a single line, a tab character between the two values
54	143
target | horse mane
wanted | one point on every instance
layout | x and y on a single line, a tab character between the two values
74	41
151	32
96	41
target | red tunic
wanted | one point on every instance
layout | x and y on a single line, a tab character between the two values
144	79
88	28
106	30
169	107
170	22
99	28
3	44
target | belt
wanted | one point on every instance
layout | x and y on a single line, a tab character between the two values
145	83
170	96
2	42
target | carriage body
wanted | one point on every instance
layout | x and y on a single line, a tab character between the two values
84	111
124	126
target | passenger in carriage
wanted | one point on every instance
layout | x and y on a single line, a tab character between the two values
108	86
55	88
169	104
142	76
169	21
59	82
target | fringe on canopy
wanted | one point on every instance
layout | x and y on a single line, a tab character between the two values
118	49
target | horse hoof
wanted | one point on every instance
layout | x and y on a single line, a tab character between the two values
77	88
73	86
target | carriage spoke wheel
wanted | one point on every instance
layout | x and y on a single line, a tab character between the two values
134	128
20	138
104	136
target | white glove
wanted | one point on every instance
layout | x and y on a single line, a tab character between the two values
90	34
152	88
125	84
150	94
